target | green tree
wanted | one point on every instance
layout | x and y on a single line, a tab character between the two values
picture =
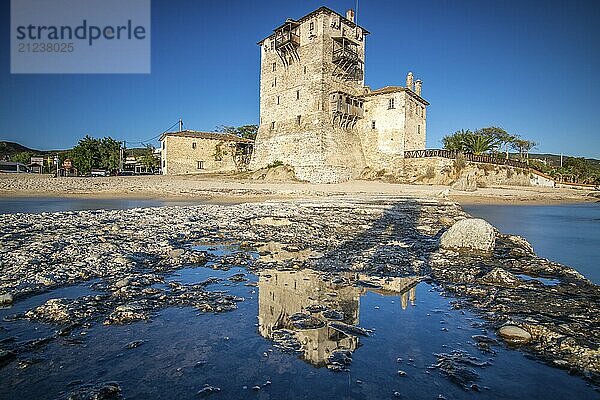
148	159
502	138
23	157
478	143
456	140
93	153
109	154
244	131
85	155
523	146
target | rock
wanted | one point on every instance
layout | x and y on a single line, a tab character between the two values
466	183
521	243
122	283
514	335
469	234
501	277
6	299
6	356
208	390
176	253
271	221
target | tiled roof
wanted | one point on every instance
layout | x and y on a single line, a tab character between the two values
393	89
228	137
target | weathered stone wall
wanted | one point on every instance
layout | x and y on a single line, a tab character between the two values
181	157
415	126
445	171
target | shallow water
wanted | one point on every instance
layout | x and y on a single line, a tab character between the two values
568	234
183	350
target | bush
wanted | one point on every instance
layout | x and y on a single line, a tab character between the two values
275	164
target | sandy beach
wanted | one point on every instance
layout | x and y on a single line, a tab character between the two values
236	189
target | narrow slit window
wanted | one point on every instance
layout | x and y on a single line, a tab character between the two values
194	145
372	124
297	95
200	164
298	120
274	67
277	100
273	125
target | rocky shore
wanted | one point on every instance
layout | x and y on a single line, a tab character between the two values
542	307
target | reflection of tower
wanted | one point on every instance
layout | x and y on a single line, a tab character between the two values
283	294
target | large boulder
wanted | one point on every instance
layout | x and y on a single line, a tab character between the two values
470	234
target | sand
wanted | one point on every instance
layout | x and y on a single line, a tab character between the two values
235	189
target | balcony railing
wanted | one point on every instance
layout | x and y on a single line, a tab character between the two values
283	38
345	54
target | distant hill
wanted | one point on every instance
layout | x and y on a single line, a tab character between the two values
7	149
554	159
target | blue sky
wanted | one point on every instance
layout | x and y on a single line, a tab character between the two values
528	66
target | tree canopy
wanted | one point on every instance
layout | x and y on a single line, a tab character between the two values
244	131
487	140
91	153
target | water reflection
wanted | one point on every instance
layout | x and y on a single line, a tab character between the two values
320	312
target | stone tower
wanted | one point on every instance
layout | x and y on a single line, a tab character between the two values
314	107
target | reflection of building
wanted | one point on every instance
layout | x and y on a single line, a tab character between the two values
284	294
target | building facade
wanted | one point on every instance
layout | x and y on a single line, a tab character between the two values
317	115
192	152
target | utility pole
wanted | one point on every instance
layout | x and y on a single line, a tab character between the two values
561	159
121	155
180	125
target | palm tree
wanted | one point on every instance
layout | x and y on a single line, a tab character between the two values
478	143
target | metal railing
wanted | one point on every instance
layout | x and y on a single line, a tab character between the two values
480	158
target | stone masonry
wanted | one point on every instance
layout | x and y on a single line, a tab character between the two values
317	115
192	152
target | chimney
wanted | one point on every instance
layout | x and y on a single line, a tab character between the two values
418	87
409	81
350	15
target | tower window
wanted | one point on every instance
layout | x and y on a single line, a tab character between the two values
200	164
305	69
297	95
193	145
311	25
277	100
372	124
273	125
418	129
275	82
391	104
298	120
274	67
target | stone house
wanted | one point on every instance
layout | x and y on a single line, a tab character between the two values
192	152
317	115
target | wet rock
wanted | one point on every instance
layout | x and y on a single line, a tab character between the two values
238	278
207	390
469	234
103	391
309	323
458	368
134	344
339	360
349	329
333	315
286	341
6	356
514	335
6	299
